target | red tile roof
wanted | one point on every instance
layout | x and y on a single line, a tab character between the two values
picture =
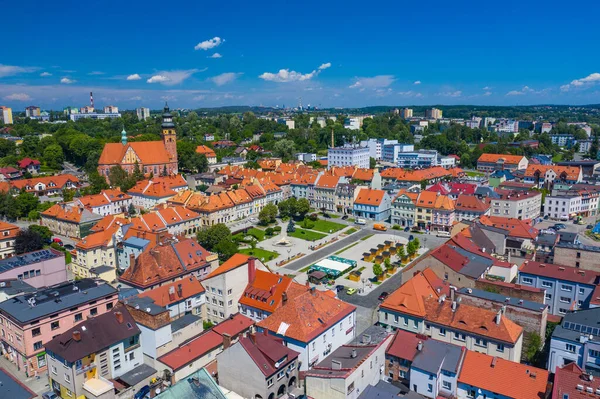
404	345
503	377
566	380
235	325
192	350
267	290
306	317
148	152
570	172
174	292
59	181
369	196
207	151
515	227
234	262
493	158
409	297
25	162
266	351
560	272
470	203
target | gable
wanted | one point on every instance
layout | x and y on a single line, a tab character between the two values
130	156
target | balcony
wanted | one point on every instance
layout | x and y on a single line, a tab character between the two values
85	368
98	387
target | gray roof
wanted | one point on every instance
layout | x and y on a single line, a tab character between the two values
55	299
570	328
198	385
477	264
14	287
136	242
491	296
87	216
28	259
12	388
437	355
546	239
343	354
567	237
373	335
144	303
184	321
382	390
137	375
581	247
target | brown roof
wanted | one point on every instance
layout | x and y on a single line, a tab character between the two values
470	203
515	227
174	292
560	272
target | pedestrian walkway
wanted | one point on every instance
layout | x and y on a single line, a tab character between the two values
38	384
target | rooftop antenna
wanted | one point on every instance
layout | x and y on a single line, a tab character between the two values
91	100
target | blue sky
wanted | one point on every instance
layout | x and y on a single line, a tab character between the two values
331	53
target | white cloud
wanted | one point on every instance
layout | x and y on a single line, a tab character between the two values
417	82
67	81
409	93
168	98
10	70
487	93
225	78
373	82
589	80
325	66
93	73
215	55
45	74
170	78
199	98
136	98
18	97
135	76
456	93
523	91
487	88
208	44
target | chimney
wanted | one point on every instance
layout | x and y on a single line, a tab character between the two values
336	365
131	259
171	293
252	337
272	290
493	362
119	317
180	290
498	317
420	346
454	306
251	269
452	289
226	341
284	298
353	353
77	335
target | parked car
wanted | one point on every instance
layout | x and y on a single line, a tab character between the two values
559	226
380	227
589	226
339	288
441	233
58	241
68	247
143	392
383	295
344	217
351	291
360	221
50	395
326	215
406	229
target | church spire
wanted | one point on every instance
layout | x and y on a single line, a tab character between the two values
124	136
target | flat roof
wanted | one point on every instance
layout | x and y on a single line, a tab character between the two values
12	388
520	303
137	375
28	259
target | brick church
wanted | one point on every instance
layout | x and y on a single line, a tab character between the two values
151	156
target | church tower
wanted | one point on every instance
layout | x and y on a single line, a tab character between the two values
168	134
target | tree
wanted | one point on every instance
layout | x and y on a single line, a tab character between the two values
268	214
117	176
53	156
372	163
284	149
594	148
131	210
401	252
43	231
377	270
209	237
26	202
416	243
97	182
533	347
28	240
302	207
285	207
189	159
388	264
225	248
410	249
68	195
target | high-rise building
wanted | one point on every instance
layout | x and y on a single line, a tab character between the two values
348	156
407	113
111	109
32	111
143	113
6	115
433	113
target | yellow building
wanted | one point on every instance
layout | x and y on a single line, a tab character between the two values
6	115
96	255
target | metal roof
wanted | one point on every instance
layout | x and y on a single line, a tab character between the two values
491	296
28	259
436	355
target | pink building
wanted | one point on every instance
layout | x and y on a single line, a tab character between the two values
28	321
41	268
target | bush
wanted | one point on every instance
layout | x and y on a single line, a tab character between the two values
277	228
269	231
395	227
313	217
307	224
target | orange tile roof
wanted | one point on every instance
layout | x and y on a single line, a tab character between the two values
471	203
107	222
493	158
239	196
472	319
342	171
59	180
181	198
400	174
307	316
207	151
11	229
570	172
98	239
410	296
148	152
364	174
327	181
369	196
181	290
149	188
267	290
192	350
503	377
234	262
515	227
433	200
68	214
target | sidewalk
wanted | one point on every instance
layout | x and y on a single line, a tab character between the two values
37	385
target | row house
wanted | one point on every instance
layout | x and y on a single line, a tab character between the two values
96	255
418	307
521	234
491	162
108	202
29	321
69	220
146	194
434	211
325	188
179	298
577	201
304	187
548	175
372	204
469	207
83	360
571	381
47	186
8	236
345	193
516	204
242	203
404	209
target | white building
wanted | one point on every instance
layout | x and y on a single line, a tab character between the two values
419	159
93	115
142	113
6	115
376	146
111	109
391	150
433	113
584	145
348	156
306	157
447	162
407	113
563	206
516	204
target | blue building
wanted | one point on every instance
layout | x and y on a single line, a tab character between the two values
373	205
131	246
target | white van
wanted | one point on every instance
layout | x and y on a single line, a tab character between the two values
361	221
441	233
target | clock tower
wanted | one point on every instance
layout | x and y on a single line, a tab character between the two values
168	134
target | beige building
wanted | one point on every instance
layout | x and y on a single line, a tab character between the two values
407	113
325	188
6	115
68	220
521	205
96	255
8	235
433	113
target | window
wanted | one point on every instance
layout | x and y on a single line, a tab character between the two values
594	353
527	280
429	388
229	291
314	345
459	336
447	385
109	306
500	348
35	332
230	302
562	310
442	331
471	393
78	317
565	299
38	345
54	325
546	284
581	291
565	287
270	382
131	355
548	296
480	342
53	369
93	311
67	378
405	321
570	348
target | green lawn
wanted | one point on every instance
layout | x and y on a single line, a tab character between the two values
335	216
260	253
474	174
367	237
258	233
307	235
351	230
557	158
325	226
